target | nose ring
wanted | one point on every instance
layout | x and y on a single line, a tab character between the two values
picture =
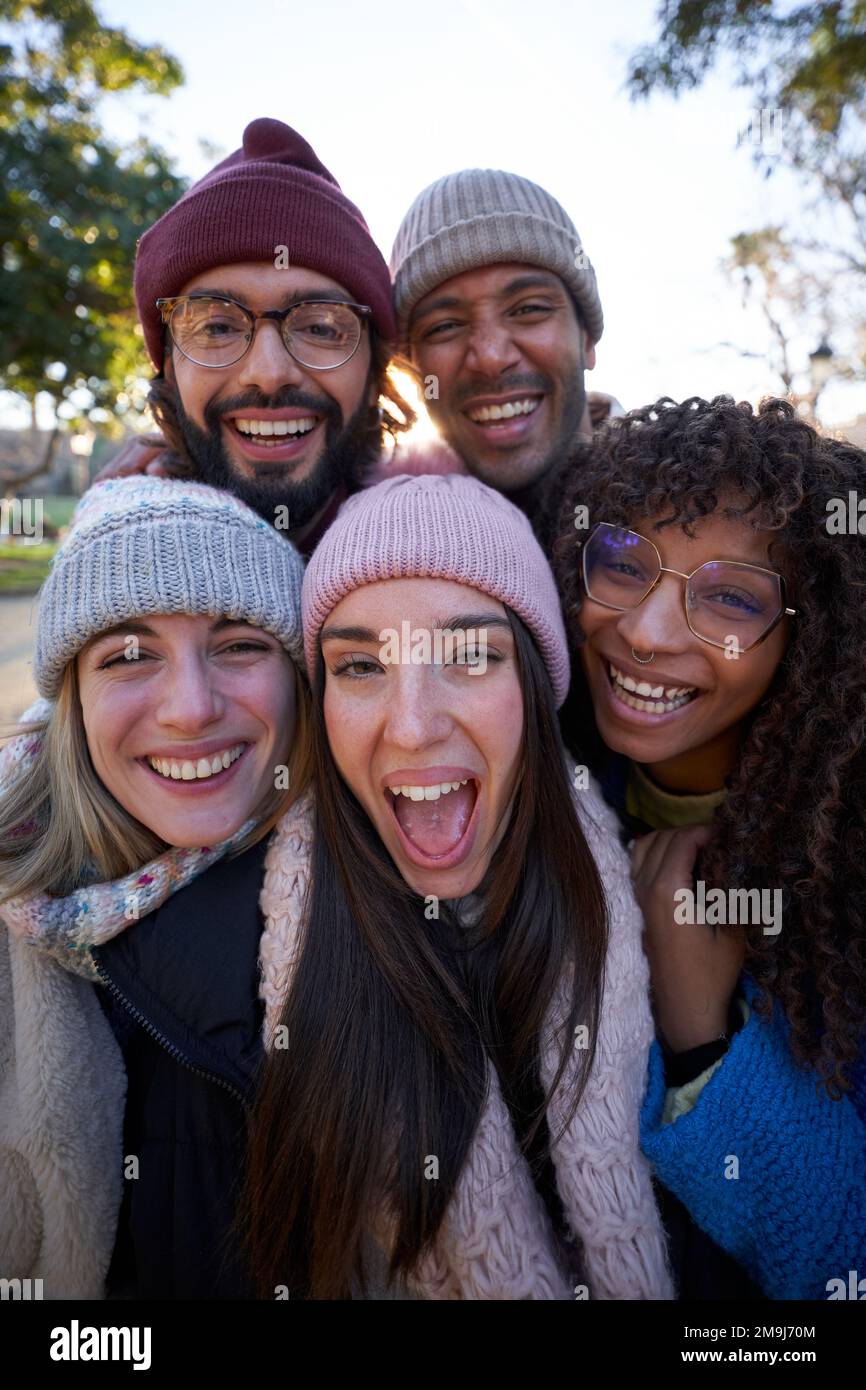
642	660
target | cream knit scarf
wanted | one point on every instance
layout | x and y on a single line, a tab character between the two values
496	1241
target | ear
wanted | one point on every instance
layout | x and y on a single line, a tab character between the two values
588	353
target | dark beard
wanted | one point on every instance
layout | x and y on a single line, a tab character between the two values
528	498
347	454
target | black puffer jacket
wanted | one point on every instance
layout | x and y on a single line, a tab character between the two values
181	992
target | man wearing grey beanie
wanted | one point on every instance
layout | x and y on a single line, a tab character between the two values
499	313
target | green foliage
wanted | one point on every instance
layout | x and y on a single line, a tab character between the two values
812	57
73	204
808	63
23	568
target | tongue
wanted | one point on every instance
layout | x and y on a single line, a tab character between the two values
435	827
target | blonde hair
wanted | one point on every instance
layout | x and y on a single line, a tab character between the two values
59	823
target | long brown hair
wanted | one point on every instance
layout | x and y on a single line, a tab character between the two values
391	1018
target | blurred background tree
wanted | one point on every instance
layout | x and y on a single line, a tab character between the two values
804	68
73	204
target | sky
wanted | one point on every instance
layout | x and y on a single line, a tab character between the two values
392	98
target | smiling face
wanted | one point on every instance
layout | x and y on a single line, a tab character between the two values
266	428
508	352
691	745
186	736
431	751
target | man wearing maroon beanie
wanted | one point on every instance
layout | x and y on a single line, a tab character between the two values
267	313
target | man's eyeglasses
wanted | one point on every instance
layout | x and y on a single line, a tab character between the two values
723	599
212	332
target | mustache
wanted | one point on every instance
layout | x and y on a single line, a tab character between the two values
286	399
517	381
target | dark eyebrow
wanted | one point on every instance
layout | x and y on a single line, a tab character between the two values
348	634
463	621
322	295
533	280
140	629
460	623
538	279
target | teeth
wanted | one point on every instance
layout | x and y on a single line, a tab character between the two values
650	699
267	428
428	793
485	413
187	771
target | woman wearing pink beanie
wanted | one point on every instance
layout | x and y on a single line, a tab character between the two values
457	996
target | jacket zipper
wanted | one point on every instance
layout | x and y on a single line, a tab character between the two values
163	1041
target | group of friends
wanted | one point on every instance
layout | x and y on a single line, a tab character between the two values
329	974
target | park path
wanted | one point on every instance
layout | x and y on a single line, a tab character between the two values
17	635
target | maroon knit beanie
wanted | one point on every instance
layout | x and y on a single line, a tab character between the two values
273	192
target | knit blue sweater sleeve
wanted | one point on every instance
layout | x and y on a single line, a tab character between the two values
767	1165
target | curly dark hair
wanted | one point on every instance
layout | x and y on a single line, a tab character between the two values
795	812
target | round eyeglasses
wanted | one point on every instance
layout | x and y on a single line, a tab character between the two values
213	332
727	603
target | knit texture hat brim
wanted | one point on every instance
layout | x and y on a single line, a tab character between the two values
443	527
139	546
481	217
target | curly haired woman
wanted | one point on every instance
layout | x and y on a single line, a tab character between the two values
720	622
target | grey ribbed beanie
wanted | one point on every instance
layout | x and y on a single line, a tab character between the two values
483	217
164	545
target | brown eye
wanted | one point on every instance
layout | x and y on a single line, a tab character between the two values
356	667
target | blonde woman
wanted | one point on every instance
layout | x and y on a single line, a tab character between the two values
171	737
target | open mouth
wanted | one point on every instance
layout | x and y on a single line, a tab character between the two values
501	413
646	696
208	769
279	439
434	820
274	432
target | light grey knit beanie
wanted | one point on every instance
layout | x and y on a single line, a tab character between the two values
481	217
164	545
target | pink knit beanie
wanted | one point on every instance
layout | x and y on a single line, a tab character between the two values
272	192
437	527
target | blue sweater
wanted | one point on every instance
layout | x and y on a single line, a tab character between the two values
795	1216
